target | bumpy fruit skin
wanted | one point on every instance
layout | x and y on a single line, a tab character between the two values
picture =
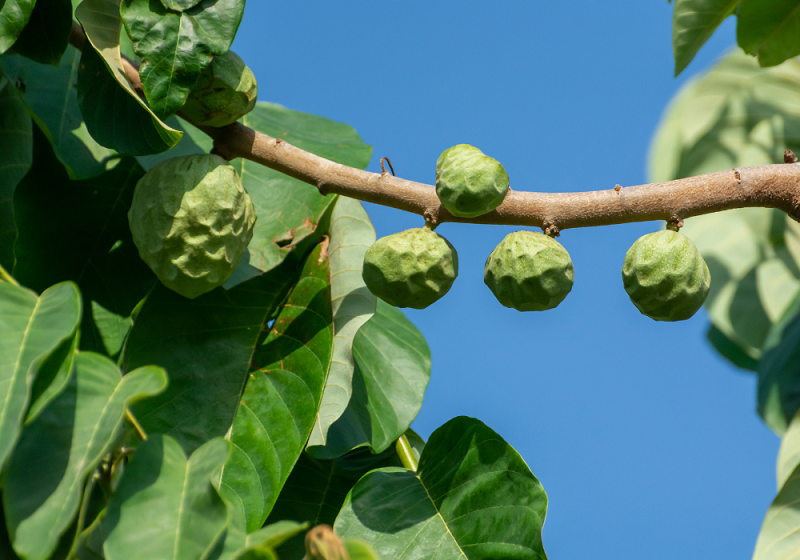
468	182
224	93
191	221
665	276
529	271
413	268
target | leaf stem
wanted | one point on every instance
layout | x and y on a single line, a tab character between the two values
136	426
4	275
406	453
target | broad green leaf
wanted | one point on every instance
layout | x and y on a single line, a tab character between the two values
206	345
41	497
51	96
177	46
179	5
282	396
289	210
693	22
789	454
16	154
30	329
317	488
769	30
737	114
275	534
359	550
780	532
115	115
192	142
166	507
352	305
729	349
779	374
472	497
46	36
14	15
98	254
393	367
52	377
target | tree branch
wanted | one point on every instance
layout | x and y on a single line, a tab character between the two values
769	186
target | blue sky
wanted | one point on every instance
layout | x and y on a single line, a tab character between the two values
646	441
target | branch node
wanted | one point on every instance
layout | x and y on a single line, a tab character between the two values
431	217
551	229
789	157
675	224
219	150
383	169
737	175
279	141
323	188
617	188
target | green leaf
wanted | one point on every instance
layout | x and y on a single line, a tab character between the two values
789	454
473	497
289	210
282	396
393	367
98	254
779	377
46	36
206	345
730	350
693	22
192	142
115	115
30	329
166	506
52	376
52	100
359	550
769	30
317	488
41	497
179	5
14	15
275	534
177	46
16	155
352	305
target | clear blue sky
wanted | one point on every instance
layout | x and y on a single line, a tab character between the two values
646	441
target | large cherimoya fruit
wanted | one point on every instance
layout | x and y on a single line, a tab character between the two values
468	182
224	93
529	271
191	221
412	268
665	276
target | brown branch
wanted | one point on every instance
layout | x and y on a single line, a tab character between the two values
769	186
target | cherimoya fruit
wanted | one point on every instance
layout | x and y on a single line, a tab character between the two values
469	183
191	220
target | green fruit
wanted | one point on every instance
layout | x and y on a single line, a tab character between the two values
412	268
191	221
529	271
224	93
665	276
468	182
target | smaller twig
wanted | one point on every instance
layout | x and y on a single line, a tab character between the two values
383	169
675	225
789	157
136	426
6	277
406	453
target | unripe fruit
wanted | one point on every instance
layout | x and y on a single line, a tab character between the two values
413	268
529	271
191	221
224	93
665	276
468	182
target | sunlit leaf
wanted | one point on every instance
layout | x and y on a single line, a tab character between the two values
472	497
30	329
41	497
14	15
769	30
115	115
693	22
177	46
165	505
